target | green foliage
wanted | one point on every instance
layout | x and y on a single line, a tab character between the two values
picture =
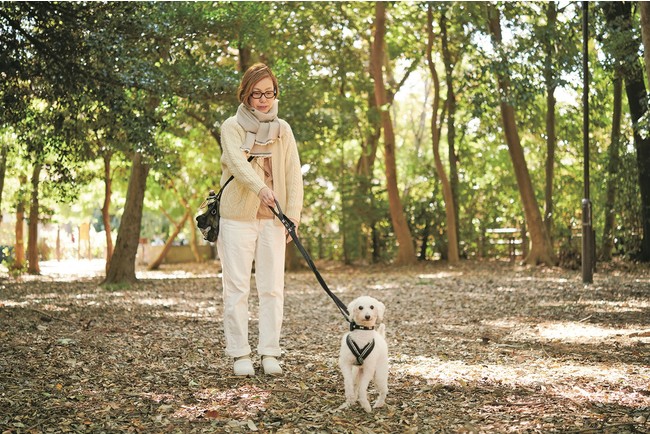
84	81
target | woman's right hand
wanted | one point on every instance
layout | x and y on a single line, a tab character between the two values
267	197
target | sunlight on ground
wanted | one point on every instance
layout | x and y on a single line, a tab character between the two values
72	270
631	305
441	275
541	279
567	331
537	374
172	274
578	332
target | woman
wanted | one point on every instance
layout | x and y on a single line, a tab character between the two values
248	230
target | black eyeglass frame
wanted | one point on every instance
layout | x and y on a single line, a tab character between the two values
269	94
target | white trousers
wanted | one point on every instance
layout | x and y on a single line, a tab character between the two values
239	244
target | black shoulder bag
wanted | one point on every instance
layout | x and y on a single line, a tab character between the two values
208	222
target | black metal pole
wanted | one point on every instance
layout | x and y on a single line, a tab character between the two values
588	256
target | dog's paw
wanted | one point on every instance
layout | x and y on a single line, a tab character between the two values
366	406
379	403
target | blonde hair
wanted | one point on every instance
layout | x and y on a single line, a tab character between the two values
252	76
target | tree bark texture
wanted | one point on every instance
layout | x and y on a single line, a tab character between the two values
551	138
4	148
619	18
452	241
19	247
32	227
451	118
406	250
644	9
613	154
122	267
541	250
106	209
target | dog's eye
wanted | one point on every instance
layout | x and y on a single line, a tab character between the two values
372	307
360	307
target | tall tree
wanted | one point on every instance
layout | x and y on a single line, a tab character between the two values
33	266
406	249
626	43
4	149
452	242
644	9
613	154
106	207
450	58
541	250
122	265
19	228
550	82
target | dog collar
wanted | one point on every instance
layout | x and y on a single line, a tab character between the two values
354	326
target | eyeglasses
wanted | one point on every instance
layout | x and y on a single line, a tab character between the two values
269	94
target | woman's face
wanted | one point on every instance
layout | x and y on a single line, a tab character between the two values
262	104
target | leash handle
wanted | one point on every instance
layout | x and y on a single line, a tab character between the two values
291	228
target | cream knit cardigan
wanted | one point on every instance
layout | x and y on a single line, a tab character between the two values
239	201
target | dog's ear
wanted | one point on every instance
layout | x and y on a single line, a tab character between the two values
380	311
353	305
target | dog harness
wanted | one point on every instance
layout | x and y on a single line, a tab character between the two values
360	353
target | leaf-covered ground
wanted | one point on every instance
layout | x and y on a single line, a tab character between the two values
482	347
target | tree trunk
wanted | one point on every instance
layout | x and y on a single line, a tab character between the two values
551	139
451	119
644	9
19	247
32	228
365	169
619	18
106	209
4	148
541	250
406	250
168	244
366	161
244	57
612	171
452	241
122	266
636	97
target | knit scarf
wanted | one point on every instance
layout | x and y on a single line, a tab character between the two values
261	128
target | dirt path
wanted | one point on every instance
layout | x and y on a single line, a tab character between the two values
475	348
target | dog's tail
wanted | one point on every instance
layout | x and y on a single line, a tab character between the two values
381	329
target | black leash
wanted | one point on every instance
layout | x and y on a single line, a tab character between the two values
291	228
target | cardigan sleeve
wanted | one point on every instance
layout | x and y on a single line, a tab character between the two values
234	159
294	184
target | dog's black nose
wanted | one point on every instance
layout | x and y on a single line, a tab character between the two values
367	317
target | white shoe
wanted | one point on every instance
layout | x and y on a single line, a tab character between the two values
271	365
243	367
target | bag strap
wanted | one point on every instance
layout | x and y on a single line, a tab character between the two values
230	179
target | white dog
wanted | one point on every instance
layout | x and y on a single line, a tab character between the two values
364	353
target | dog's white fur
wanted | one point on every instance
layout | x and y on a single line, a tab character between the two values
367	312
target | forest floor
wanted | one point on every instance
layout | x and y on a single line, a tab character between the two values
481	347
